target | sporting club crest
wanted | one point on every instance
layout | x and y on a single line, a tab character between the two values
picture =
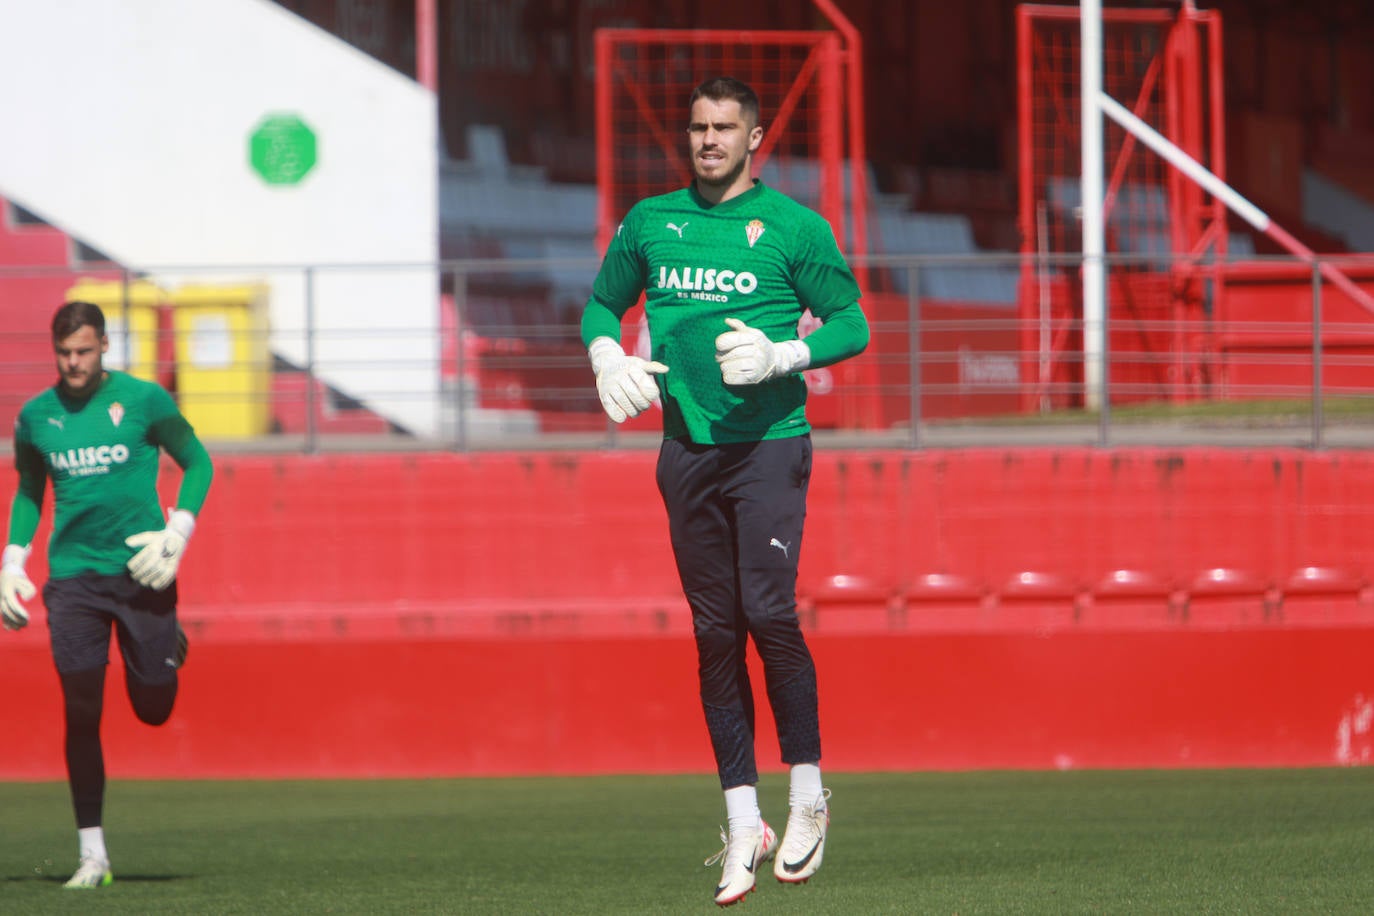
754	231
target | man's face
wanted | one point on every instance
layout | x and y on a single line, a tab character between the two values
79	359
721	139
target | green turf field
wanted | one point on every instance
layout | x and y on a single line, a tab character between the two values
1233	841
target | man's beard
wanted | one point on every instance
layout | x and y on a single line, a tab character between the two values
726	179
76	382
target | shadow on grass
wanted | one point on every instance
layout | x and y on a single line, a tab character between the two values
119	878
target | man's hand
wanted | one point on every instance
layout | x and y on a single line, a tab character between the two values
625	384
748	357
15	587
156	564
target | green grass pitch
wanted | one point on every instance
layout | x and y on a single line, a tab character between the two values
1185	841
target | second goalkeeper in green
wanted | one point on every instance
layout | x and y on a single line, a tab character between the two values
98	434
728	267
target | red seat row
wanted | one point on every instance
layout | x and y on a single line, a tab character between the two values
1127	598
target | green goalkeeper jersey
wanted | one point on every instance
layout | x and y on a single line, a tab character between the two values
101	454
760	257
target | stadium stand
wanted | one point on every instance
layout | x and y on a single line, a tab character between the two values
1334	208
506	210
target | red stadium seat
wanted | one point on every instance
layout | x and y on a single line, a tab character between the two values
846	603
945	601
1038	600
1323	595
1133	598
1226	596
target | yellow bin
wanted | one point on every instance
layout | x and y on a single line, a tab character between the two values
224	369
133	337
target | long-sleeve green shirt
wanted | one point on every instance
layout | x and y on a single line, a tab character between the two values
760	257
102	455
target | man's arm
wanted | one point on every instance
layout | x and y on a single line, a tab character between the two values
598	320
27	504
842	334
160	552
826	285
15	585
618	285
197	470
624	383
748	357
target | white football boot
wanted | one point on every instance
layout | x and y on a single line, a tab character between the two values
803	845
91	873
743	853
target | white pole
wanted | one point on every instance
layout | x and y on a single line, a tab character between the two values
1094	245
1228	196
1042	232
1183	162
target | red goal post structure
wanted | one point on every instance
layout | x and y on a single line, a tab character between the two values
1166	236
808	84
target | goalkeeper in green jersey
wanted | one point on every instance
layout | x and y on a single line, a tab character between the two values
112	559
728	266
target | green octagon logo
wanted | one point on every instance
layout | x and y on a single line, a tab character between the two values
282	149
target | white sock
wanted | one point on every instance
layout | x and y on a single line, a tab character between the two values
92	841
806	785
742	808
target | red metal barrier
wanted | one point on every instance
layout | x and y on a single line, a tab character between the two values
1067	699
492	530
423	614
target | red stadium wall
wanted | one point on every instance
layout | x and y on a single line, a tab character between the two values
443	614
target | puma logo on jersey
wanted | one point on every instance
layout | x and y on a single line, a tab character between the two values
780	545
676	228
58	422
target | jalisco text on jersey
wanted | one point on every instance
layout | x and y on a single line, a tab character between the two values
707	279
93	460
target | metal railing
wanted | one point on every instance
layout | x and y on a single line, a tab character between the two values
1251	358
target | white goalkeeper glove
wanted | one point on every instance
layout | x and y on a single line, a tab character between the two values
747	356
15	587
156	564
625	384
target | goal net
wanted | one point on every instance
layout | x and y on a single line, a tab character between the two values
1166	238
